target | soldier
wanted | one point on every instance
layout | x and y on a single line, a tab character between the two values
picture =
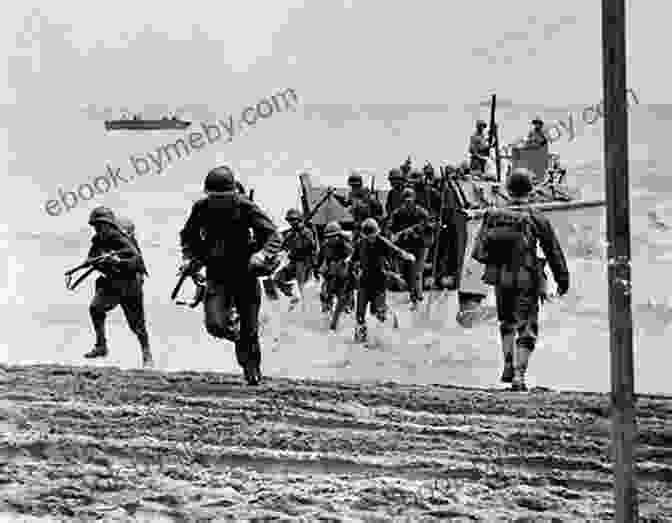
361	203
406	166
536	137
217	235
397	181
411	230
369	259
299	243
120	284
479	148
507	244
335	251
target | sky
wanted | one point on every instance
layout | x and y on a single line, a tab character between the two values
345	52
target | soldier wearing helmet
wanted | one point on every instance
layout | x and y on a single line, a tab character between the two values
120	284
361	203
411	230
333	262
536	138
300	245
217	236
479	148
369	259
397	181
507	244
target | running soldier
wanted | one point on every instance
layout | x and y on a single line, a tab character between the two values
333	263
299	243
217	236
371	252
361	202
507	244
121	283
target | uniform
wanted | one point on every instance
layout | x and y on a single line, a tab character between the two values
517	275
217	234
478	149
335	251
120	284
300	245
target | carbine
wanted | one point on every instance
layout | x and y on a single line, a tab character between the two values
91	264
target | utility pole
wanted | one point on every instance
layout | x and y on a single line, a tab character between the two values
618	238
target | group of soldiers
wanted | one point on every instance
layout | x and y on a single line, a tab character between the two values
238	245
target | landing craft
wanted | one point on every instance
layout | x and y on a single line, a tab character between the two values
467	196
139	124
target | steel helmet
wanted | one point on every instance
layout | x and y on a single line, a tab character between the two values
481	123
332	229
220	179
519	182
370	226
292	214
355	179
102	215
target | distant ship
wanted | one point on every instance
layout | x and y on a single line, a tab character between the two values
140	124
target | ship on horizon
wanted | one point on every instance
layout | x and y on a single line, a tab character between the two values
137	123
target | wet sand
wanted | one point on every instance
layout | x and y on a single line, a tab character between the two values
85	443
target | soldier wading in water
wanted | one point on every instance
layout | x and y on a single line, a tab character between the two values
507	244
217	236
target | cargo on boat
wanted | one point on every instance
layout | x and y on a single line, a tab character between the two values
467	194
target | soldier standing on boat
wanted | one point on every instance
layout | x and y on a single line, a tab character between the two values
479	148
360	201
536	137
120	284
299	243
411	230
507	244
217	236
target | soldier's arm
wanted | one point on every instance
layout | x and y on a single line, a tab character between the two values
553	250
129	257
264	230
345	202
190	235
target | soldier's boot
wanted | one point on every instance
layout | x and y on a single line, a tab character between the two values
508	341
361	333
520	368
147	359
99	351
252	374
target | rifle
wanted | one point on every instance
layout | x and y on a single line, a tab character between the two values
493	137
91	264
439	223
190	270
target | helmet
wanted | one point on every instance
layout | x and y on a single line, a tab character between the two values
370	226
332	229
219	179
102	215
355	179
395	174
428	169
126	225
537	121
481	123
519	182
292	214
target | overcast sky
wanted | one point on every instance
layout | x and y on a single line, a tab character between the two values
67	53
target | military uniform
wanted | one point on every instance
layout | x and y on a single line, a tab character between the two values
360	202
394	199
120	284
518	276
479	147
217	234
536	137
300	246
416	241
335	251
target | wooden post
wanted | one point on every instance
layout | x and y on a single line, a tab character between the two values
618	236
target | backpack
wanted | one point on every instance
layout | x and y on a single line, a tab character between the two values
507	239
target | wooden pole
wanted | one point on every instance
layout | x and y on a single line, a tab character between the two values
618	236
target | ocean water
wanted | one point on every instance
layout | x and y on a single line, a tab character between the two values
42	322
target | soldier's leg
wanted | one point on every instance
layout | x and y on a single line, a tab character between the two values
248	349
527	311
507	329
106	298
420	254
284	277
362	302
379	305
217	309
132	304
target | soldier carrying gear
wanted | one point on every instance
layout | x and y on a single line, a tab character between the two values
335	251
411	230
120	284
397	182
369	258
406	166
299	242
479	148
360	201
507	244
217	235
536	137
